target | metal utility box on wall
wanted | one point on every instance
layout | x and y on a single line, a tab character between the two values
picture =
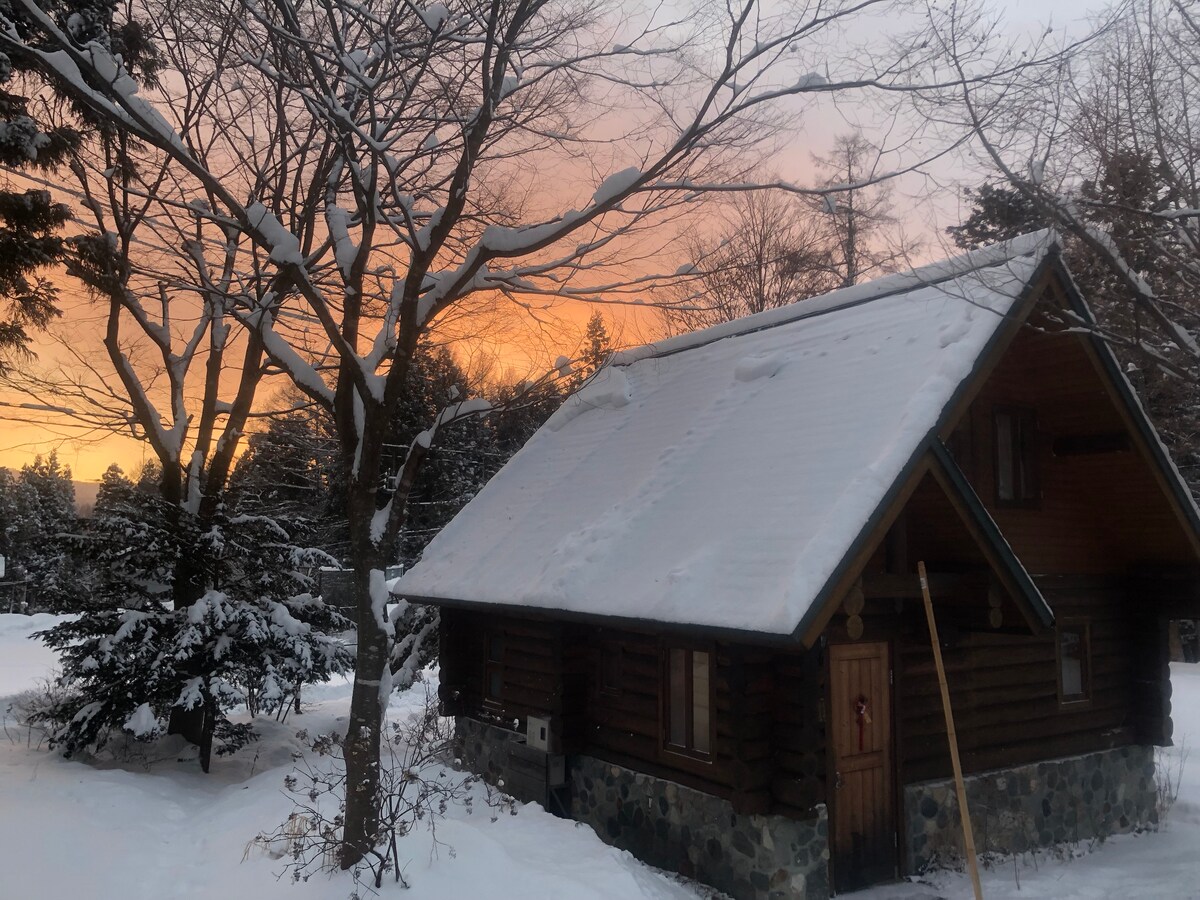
538	734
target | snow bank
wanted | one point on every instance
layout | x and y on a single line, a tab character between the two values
24	662
154	827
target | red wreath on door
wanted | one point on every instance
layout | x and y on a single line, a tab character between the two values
862	714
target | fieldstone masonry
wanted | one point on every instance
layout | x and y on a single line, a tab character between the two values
483	748
756	857
1077	798
749	857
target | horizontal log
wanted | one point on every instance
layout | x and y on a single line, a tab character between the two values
751	802
639	746
1092	444
1013	752
622	720
799	761
626	701
798	794
752	775
536	701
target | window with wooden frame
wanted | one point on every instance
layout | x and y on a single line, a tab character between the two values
688	707
493	667
1074	652
1015	438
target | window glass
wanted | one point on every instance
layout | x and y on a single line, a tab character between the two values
678	699
495	649
701	738
1016	456
1072	655
494	667
1005	449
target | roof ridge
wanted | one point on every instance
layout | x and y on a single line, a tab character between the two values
848	297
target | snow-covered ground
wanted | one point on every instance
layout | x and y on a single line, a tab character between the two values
157	828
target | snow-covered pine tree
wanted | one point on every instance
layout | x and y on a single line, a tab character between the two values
49	560
597	347
256	635
37	523
31	221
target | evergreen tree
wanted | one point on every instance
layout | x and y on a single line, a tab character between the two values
254	637
289	472
132	542
51	564
37	528
19	523
30	221
998	213
597	348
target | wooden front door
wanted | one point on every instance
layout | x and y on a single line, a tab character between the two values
863	822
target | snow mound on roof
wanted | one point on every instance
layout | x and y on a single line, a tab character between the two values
608	390
749	368
719	479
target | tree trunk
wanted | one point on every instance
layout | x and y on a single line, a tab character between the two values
196	725
362	743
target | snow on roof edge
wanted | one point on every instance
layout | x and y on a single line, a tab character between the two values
1035	242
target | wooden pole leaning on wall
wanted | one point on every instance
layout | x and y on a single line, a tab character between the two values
959	785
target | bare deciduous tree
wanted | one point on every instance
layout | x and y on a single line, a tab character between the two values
769	250
352	175
1105	147
863	232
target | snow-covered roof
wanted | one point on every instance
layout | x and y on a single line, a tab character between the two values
718	479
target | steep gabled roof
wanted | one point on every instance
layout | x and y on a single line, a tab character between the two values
722	478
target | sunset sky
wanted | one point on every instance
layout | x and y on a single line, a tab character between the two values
25	432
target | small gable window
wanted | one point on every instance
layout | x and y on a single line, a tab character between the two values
689	701
1074	662
1016	456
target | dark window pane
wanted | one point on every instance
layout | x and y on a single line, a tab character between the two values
677	700
494	683
1071	646
1005	450
700	694
1021	462
495	649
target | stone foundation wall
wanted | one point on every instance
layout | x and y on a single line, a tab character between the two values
483	748
672	826
757	857
1038	805
749	857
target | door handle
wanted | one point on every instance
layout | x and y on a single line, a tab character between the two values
837	781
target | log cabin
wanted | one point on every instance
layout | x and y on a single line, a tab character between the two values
687	614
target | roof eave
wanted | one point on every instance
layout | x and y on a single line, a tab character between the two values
819	612
1024	591
649	626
